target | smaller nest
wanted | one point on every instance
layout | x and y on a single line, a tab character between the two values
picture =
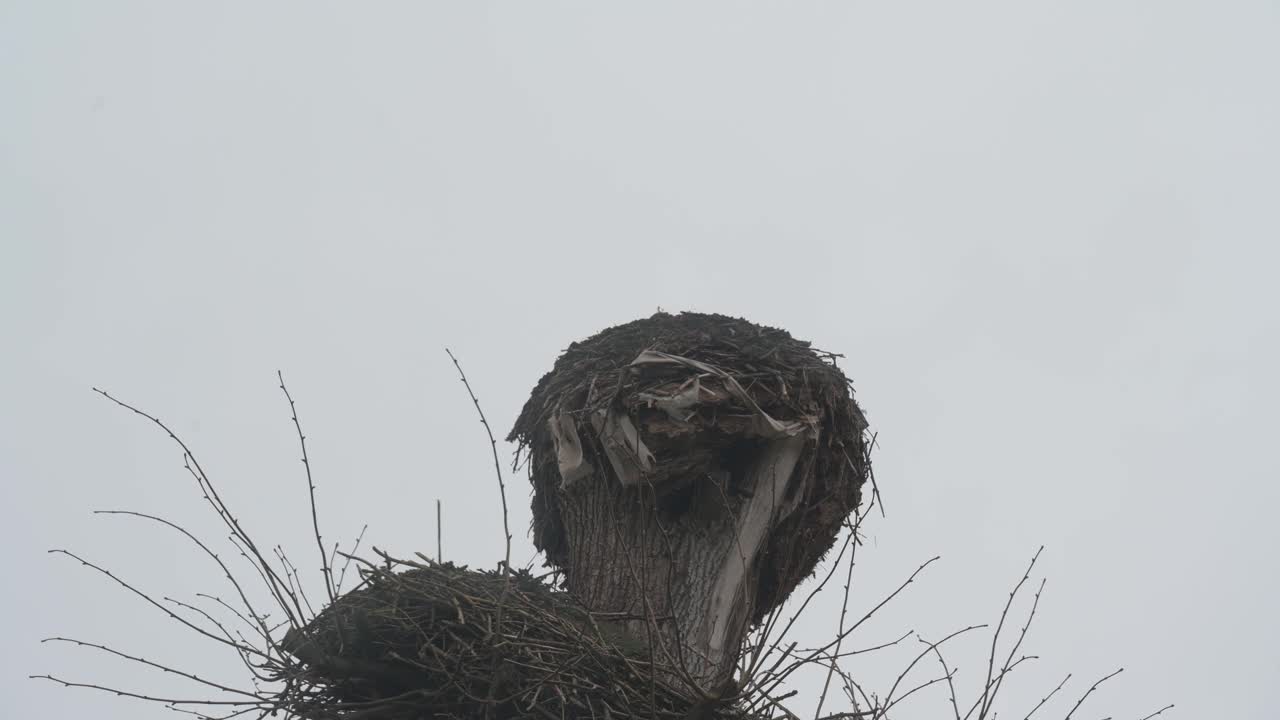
423	640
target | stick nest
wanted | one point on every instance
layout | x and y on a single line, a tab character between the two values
698	434
423	640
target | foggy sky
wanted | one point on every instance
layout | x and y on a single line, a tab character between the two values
1042	234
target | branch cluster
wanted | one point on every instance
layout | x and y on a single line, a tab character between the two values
422	639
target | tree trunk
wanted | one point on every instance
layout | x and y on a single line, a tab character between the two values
685	583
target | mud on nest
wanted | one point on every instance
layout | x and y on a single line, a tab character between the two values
699	391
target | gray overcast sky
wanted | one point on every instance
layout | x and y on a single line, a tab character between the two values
1044	234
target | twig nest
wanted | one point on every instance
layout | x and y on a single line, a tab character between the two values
672	408
424	639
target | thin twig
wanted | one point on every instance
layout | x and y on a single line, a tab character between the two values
139	696
342	576
153	602
497	466
1045	699
844	610
950	675
888	698
506	529
156	665
325	569
799	663
191	464
1161	710
1090	692
226	572
988	690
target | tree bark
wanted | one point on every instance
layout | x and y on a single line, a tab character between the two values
684	582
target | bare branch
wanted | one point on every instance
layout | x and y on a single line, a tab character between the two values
888	698
950	675
156	665
139	696
995	637
211	496
162	608
497	466
1161	710
326	569
844	610
1045	699
1090	692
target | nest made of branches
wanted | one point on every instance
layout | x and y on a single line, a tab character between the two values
426	639
783	378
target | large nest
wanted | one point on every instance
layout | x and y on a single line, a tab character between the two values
425	639
695	395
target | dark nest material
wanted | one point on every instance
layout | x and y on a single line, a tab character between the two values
697	389
430	640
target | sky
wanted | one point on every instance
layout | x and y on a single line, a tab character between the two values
1043	235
